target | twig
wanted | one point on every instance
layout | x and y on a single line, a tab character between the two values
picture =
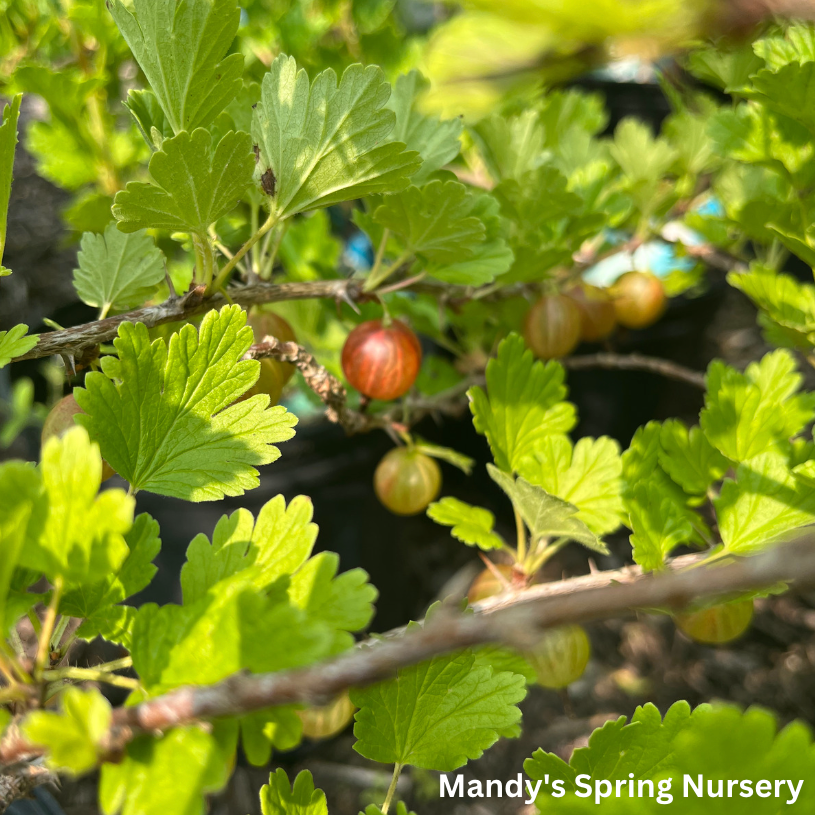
636	362
515	621
332	393
450	402
20	781
80	338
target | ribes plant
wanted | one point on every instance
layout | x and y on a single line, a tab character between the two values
216	273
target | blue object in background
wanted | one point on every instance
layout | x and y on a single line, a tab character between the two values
43	803
711	206
359	252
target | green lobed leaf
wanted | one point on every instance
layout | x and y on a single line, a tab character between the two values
489	259
14	521
752	413
278	798
171	773
97	604
790	90
116	270
644	748
545	515
23	509
763	503
8	143
278	727
325	143
194	185
233	627
182	50
510	146
81	537
149	116
344	602
471	525
280	544
434	222
165	418
689	458
726	66
658	526
73	737
437	715
704	745
14	343
641	464
586	475
505	659
436	141
785	300
795	44
522	404
277	544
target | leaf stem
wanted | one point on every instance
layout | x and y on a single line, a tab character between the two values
380	251
91	675
397	768
59	630
254	223
521	535
13	663
223	275
44	649
376	278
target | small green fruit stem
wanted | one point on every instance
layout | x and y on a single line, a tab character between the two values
44	649
397	768
223	275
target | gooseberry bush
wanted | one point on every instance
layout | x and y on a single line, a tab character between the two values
202	210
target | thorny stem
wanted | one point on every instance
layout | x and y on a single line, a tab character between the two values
44	649
397	768
223	275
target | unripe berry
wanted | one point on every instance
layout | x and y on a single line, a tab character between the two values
718	624
597	316
639	299
406	481
561	656
552	326
327	720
